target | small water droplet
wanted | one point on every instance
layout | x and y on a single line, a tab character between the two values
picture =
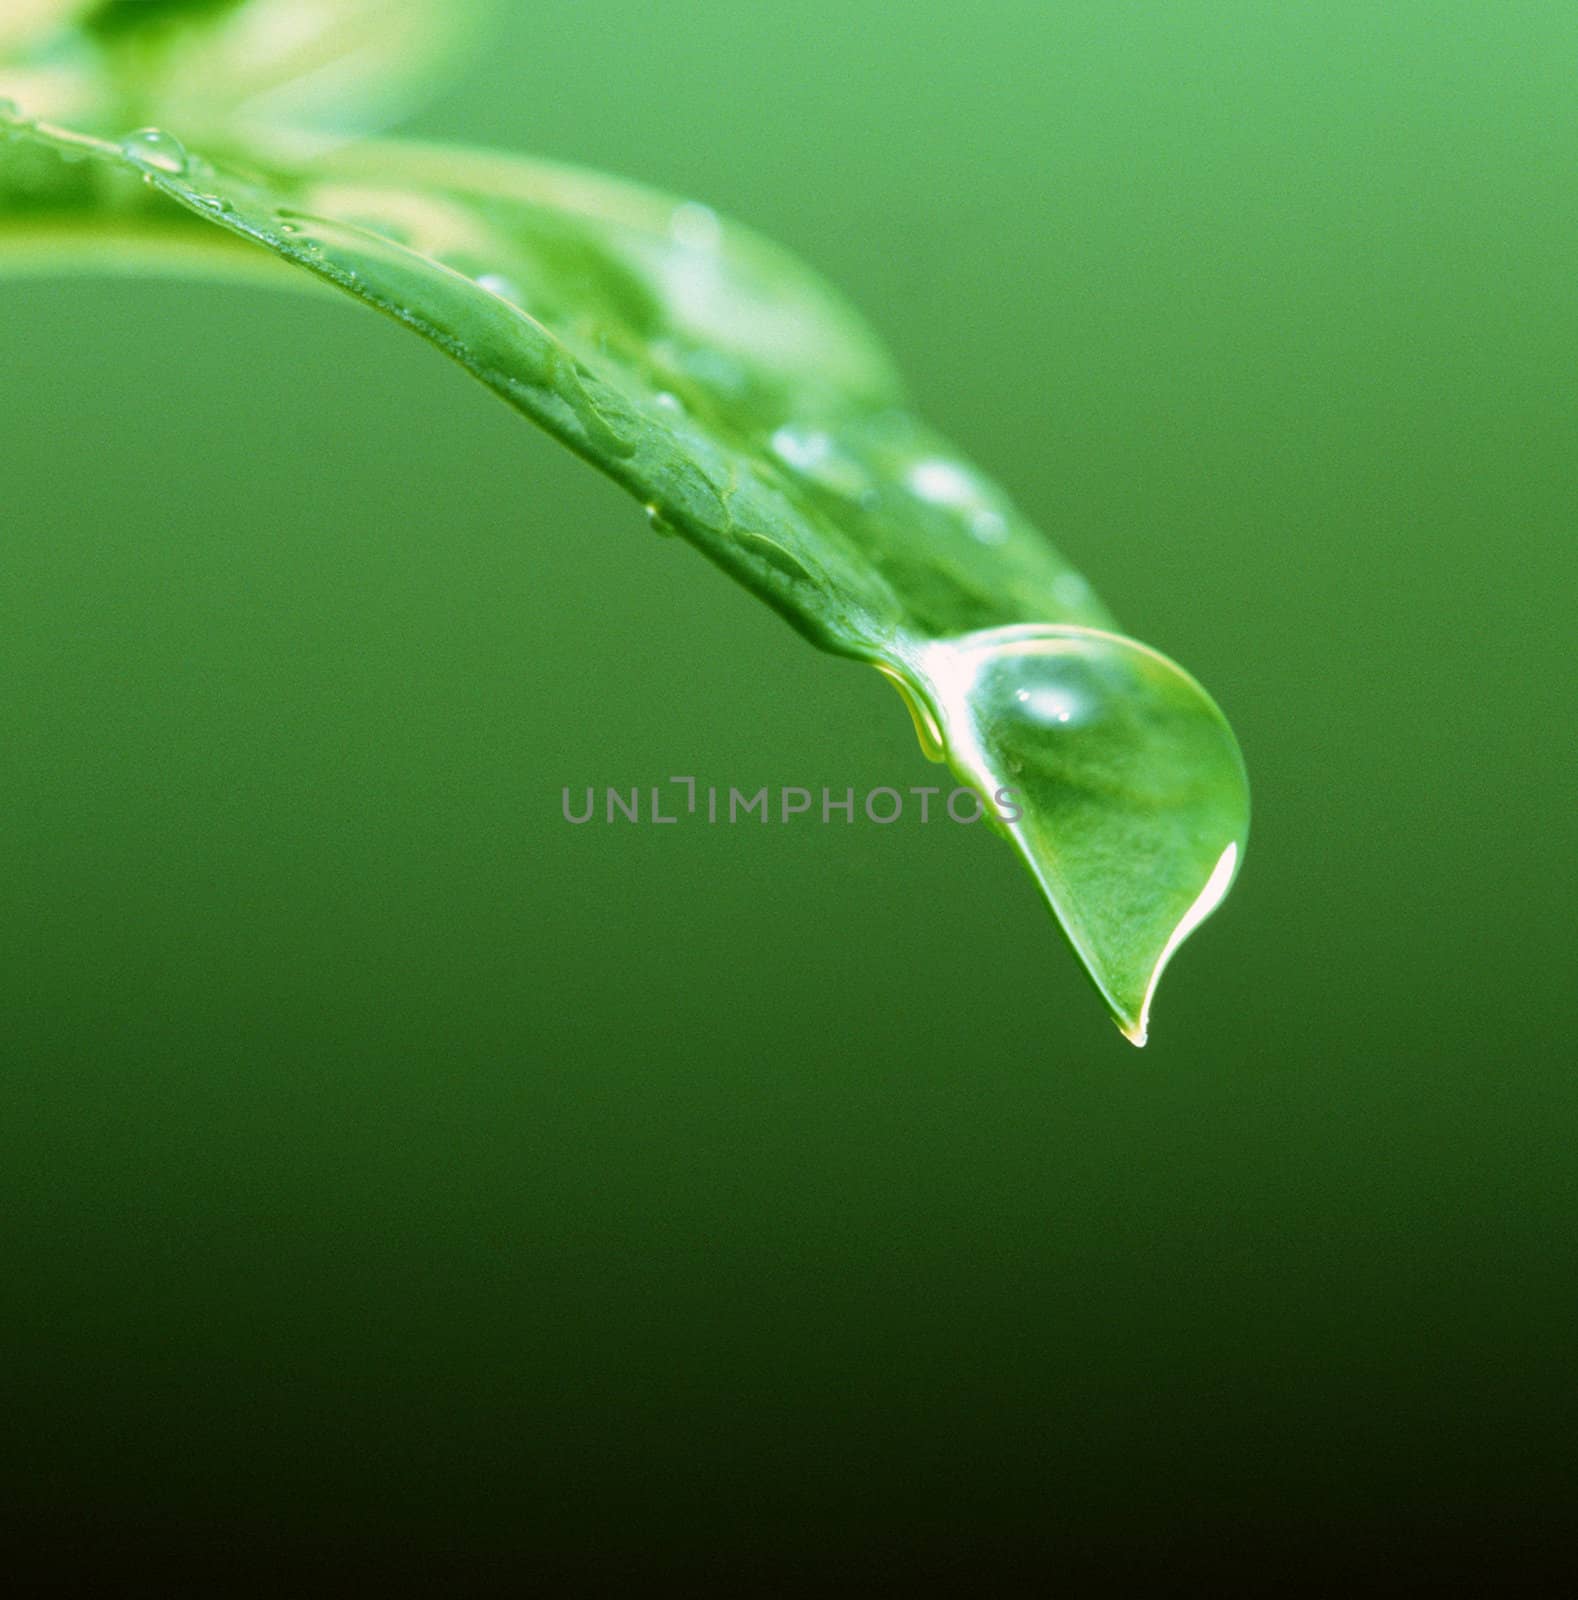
944	483
661	526
665	401
815	454
695	227
155	152
497	284
774	556
926	729
804	449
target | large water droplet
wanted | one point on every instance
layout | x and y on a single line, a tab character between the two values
1135	803
155	151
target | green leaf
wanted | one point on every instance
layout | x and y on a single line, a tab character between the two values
751	411
226	71
23	23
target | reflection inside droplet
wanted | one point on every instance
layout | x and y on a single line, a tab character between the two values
1050	704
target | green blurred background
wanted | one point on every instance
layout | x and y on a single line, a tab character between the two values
391	1172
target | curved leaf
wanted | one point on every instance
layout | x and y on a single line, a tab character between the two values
752	412
230	70
23	23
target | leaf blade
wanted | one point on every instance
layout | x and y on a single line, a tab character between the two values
749	408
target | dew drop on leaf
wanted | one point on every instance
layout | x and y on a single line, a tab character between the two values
803	448
1135	804
926	729
943	483
816	455
497	284
156	152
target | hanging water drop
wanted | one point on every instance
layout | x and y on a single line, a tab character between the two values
815	454
926	729
660	524
156	152
1135	804
298	237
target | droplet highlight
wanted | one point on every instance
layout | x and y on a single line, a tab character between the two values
498	285
659	523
